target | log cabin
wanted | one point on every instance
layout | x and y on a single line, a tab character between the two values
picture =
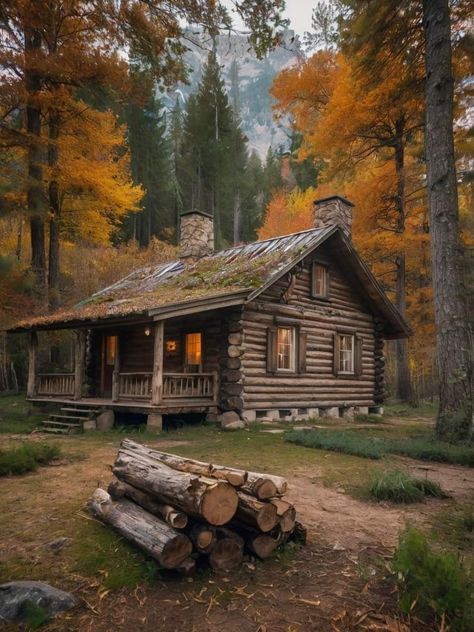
288	327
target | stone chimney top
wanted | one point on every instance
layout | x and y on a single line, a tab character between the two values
333	210
196	237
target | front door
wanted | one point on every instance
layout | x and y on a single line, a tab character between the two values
109	353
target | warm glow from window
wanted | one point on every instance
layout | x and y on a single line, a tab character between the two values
193	349
286	348
320	280
171	346
110	350
346	354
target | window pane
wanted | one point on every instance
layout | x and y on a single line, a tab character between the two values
110	350
193	349
285	348
346	354
320	280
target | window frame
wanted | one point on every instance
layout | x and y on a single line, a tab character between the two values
324	266
341	359
293	359
357	353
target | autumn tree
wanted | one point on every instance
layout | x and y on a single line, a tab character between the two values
53	51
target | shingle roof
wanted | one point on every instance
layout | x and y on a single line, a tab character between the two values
239	270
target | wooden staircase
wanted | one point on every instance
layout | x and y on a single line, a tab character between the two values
70	419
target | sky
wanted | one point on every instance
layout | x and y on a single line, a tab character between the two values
297	11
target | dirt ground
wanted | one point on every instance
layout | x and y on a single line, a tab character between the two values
335	583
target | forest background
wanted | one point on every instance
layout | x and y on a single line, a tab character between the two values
100	152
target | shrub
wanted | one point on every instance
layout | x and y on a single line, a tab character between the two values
432	583
337	442
26	457
399	487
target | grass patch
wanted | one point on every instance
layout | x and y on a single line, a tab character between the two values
102	553
27	457
17	415
398	486
369	419
351	442
432	583
338	441
34	616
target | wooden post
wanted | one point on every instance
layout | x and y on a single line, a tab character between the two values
157	378
116	373
79	361
32	358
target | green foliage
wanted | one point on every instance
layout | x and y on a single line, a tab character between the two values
376	448
432	583
369	419
15	415
337	442
454	425
34	616
399	487
27	457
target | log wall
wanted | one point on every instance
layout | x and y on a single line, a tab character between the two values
320	320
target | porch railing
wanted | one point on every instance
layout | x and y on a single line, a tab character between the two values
134	385
56	384
189	385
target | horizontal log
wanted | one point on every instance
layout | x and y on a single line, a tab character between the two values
262	516
211	500
228	552
175	518
158	539
203	536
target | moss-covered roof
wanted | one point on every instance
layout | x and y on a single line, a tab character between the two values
239	270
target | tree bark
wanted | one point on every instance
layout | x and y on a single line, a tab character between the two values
54	211
264	486
205	499
169	547
453	336
404	385
35	198
191	466
169	514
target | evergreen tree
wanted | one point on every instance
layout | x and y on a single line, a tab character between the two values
151	168
176	138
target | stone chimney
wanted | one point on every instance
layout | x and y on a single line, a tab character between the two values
196	238
333	210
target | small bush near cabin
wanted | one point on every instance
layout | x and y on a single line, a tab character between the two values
432	583
398	486
26	457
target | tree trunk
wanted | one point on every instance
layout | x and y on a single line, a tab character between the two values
169	547
453	336
205	499
172	516
404	385
35	198
54	211
183	464
236	217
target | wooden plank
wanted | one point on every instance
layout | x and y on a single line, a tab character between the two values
157	378
32	362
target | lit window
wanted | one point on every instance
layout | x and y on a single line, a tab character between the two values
193	349
320	280
285	349
346	354
110	350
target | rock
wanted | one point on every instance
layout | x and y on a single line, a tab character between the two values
228	417
211	418
105	420
234	425
90	424
58	544
15	596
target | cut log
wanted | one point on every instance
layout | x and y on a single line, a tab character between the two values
261	515
172	516
235	477
203	536
264	486
262	544
166	545
228	551
281	505
288	520
210	500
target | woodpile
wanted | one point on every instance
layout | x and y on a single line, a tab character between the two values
185	513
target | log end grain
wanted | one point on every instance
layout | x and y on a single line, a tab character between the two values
219	504
226	555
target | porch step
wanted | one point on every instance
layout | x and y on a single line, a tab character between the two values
71	417
60	427
80	411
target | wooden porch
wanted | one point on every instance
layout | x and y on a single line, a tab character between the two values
152	390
